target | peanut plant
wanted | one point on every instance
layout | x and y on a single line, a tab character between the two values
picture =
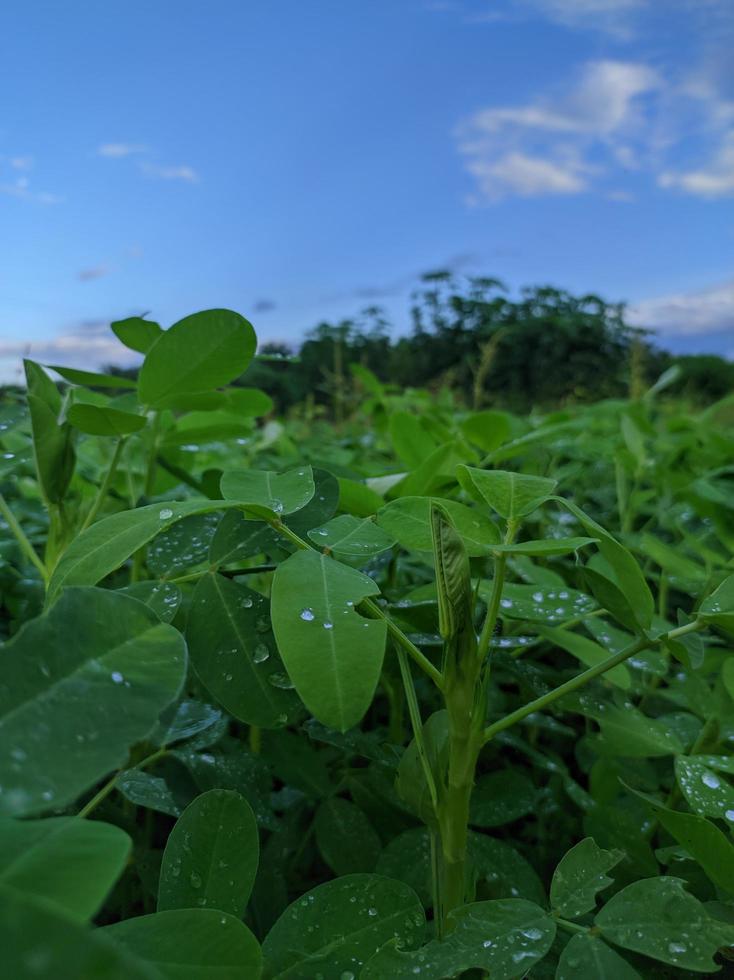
438	693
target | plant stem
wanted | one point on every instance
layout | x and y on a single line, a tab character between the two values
152	455
417	724
111	783
105	486
25	546
490	620
583	678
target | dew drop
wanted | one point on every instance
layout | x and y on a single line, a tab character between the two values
195	880
165	514
308	615
260	654
117	677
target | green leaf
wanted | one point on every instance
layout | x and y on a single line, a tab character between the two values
184	720
702	839
539	603
629	578
357	498
334	928
163	598
502	871
453	588
203	351
511	495
320	508
211	855
233	651
144	789
237	538
587	651
351	537
407	858
718	608
408	520
658	918
136	333
53	443
411	442
108	543
706	793
411	784
501	797
681	569
610	597
346	839
68	863
92	379
38	943
182	546
580	875
332	654
627	731
104	421
505	937
586	957
488	429
71	708
281	493
191	944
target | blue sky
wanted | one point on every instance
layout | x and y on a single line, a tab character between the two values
295	161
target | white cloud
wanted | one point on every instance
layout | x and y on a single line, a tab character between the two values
21	188
89	345
180	172
117	150
714	179
21	163
549	146
705	311
526	176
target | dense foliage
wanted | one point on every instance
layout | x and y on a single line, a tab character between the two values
427	692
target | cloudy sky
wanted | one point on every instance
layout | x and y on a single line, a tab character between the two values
296	160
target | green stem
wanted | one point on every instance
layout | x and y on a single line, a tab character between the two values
25	546
152	455
417	724
111	783
583	678
367	605
490	620
570	926
105	486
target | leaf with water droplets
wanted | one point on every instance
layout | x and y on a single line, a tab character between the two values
233	651
68	863
144	789
163	598
658	918
351	537
334	928
586	957
89	680
718	608
332	654
539	603
279	493
211	855
108	543
580	875
702	839
707	793
191	944
505	937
